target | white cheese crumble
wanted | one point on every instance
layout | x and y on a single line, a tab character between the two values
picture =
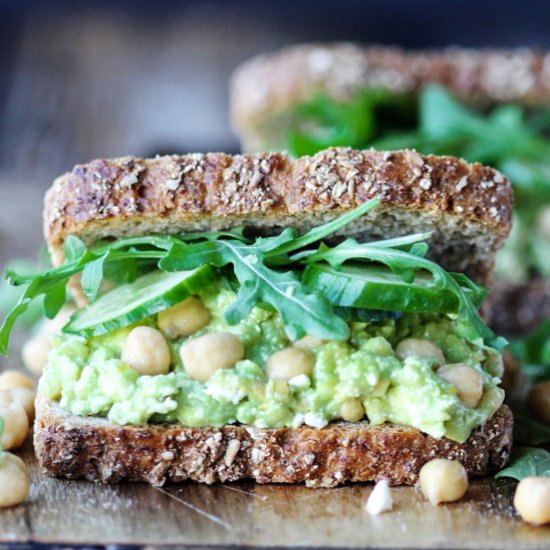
218	392
301	381
380	499
315	421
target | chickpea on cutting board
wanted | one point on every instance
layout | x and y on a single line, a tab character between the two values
16	415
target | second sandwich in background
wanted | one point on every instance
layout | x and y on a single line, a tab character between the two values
488	106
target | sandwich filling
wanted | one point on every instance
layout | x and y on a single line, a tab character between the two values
513	139
218	328
364	377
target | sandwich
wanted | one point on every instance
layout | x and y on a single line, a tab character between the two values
490	106
283	320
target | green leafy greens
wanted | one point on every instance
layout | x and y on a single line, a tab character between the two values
529	431
267	271
533	355
528	462
406	264
533	352
509	137
506	138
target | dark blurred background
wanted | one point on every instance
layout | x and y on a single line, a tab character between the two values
80	80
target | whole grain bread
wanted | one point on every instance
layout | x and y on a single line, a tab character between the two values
265	90
467	207
74	447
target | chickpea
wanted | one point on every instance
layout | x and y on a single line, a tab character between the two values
443	480
184	318
16	426
280	386
204	355
416	347
538	401
532	500
14	480
290	362
466	380
14	379
308	342
35	351
20	396
146	351
352	410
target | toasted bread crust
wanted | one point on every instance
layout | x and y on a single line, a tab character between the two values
75	447
269	85
466	206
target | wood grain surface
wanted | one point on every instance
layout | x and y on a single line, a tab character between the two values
244	514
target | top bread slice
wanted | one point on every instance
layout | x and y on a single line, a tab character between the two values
467	207
265	90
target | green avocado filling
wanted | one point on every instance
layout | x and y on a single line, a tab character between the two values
512	138
88	377
216	328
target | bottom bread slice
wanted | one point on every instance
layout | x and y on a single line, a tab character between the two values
70	446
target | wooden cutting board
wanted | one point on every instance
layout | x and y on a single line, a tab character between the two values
244	514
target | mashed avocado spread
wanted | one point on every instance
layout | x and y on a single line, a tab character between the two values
88	377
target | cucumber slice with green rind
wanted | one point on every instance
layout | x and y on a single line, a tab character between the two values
372	287
146	296
362	315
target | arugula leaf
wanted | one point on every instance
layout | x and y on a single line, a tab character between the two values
74	249
443	118
132	243
54	299
234	233
470	324
539	120
529	431
406	242
533	352
10	295
528	462
507	138
266	270
52	283
334	123
319	233
323	122
92	275
302	311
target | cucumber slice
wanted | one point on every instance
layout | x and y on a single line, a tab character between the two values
363	315
370	287
132	302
